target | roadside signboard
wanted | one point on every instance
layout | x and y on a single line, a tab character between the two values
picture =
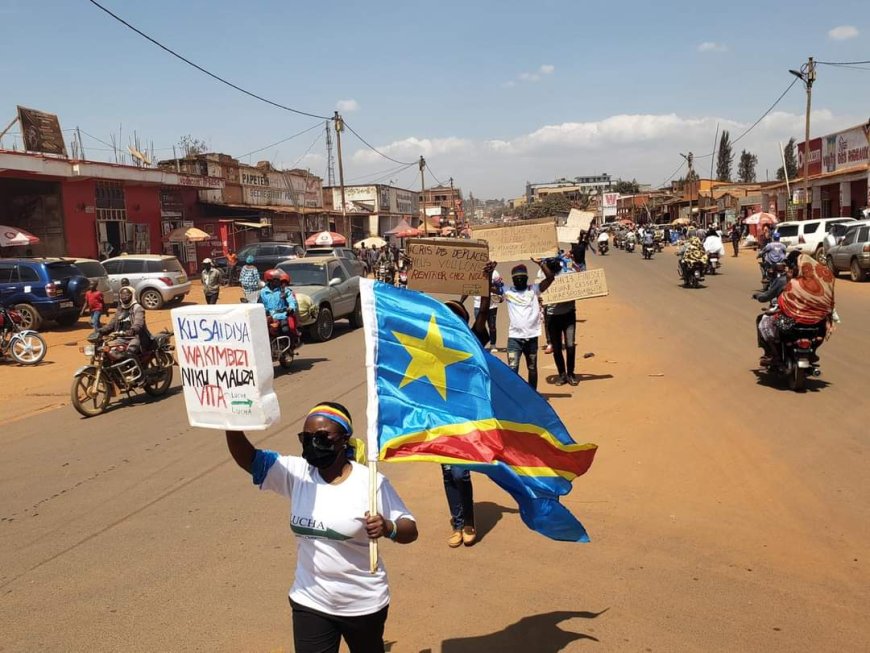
448	266
578	285
40	132
521	240
608	204
225	360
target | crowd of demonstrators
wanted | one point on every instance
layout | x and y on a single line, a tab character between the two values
334	595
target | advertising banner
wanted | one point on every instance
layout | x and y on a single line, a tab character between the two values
225	360
520	240
449	266
40	132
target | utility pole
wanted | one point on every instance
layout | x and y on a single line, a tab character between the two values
81	145
339	127
330	158
807	75
712	162
423	196
453	202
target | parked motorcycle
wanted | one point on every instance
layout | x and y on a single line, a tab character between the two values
647	251
692	274
24	346
713	263
112	370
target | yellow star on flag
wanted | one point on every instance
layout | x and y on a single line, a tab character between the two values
429	358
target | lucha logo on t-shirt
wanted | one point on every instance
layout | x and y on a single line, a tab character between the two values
313	528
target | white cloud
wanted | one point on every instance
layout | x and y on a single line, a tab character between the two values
347	105
641	146
843	33
712	46
536	76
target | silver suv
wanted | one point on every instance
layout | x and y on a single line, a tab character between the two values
807	236
852	253
95	271
156	279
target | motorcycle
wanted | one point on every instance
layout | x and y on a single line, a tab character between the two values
692	274
24	346
282	342
112	370
797	355
603	247
403	279
629	246
647	251
713	263
658	246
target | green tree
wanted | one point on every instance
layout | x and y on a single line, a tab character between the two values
790	162
746	167
626	187
725	157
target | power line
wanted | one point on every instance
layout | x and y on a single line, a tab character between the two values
842	63
437	181
764	115
283	140
373	148
673	174
846	65
203	70
304	154
385	172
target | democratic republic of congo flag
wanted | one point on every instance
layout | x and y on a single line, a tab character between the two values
434	395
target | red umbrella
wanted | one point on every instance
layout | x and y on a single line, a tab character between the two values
407	233
15	237
326	239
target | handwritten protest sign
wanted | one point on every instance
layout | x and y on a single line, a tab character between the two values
520	241
451	266
226	366
579	285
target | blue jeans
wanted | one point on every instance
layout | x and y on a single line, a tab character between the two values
490	323
95	319
528	348
460	495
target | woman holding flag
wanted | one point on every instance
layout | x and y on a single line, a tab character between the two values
334	594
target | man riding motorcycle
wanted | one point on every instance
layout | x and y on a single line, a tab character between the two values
771	254
691	254
129	321
280	302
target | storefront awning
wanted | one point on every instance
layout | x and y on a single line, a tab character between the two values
253	225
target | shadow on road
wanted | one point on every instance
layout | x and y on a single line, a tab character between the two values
138	399
300	364
539	633
487	514
780	383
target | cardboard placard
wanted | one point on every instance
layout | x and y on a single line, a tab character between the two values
577	285
452	266
520	241
225	360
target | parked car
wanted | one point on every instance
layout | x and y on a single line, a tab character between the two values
344	253
157	279
42	289
266	255
834	236
852	253
807	236
327	289
95	271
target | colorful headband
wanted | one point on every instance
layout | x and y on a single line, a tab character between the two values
334	415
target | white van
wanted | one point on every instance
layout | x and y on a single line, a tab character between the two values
807	236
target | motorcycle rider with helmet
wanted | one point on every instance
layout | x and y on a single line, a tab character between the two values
772	253
278	303
129	321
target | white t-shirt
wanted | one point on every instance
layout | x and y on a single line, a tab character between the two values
332	550
524	312
493	298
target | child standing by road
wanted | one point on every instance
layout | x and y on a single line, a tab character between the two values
94	303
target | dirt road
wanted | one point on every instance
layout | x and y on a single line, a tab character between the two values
725	514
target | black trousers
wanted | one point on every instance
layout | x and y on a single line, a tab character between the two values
318	632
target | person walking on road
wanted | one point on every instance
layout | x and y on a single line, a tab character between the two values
95	303
334	596
211	281
524	320
249	280
735	238
561	324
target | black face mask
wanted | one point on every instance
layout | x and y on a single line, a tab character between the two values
521	283
319	451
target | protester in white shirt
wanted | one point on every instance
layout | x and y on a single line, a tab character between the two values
524	320
334	594
713	244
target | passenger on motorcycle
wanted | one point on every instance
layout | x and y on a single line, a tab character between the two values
279	304
713	244
129	321
692	252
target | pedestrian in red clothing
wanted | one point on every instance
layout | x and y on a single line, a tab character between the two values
95	303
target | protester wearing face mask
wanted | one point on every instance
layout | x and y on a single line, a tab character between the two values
524	320
334	594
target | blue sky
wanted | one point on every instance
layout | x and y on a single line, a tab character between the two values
492	93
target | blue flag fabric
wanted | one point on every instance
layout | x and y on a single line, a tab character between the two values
435	395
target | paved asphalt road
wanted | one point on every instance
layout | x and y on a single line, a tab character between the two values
726	514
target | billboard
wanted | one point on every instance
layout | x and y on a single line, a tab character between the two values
815	157
40	132
608	204
273	188
844	149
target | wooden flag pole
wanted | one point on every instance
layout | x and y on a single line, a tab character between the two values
373	510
